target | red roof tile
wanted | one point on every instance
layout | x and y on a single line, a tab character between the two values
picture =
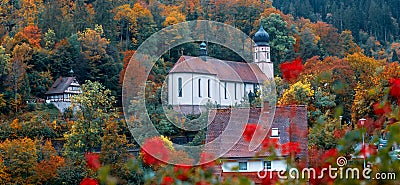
225	70
220	133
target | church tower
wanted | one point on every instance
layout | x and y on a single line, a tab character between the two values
262	52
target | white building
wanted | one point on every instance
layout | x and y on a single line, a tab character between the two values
194	81
61	91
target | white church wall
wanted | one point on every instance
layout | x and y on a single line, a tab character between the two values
190	89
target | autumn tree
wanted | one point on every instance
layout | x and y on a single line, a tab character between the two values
20	157
16	78
281	42
95	104
96	53
114	150
308	44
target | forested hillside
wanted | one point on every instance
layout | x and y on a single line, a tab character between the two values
43	40
340	58
378	18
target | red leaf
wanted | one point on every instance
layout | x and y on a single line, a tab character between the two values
395	87
270	143
89	181
154	152
291	70
249	132
167	180
93	161
182	171
290	148
382	109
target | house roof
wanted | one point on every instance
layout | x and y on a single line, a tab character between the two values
60	85
223	69
287	119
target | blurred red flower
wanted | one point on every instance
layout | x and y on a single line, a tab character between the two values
167	180
290	148
271	177
203	183
382	109
291	70
93	161
154	152
249	132
270	143
368	150
182	171
395	87
89	181
339	133
206	160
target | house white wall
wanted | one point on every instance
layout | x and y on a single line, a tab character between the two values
253	165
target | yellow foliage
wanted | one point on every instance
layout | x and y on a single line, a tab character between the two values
298	93
168	143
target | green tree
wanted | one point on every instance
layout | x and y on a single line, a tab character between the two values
95	105
394	56
308	47
281	41
4	67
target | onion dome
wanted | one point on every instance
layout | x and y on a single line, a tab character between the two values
261	38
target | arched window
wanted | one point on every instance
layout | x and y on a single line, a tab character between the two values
199	87
226	90
209	88
235	91
180	87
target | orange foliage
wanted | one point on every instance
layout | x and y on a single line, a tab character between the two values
47	169
32	33
127	56
286	17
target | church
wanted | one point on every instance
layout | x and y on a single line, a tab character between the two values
195	81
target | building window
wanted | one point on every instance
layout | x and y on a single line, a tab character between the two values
242	165
226	91
235	91
275	132
180	87
268	56
267	165
199	87
255	53
209	88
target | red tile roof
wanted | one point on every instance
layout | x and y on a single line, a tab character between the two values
224	70
220	134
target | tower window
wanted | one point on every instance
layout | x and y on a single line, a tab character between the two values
209	88
199	87
180	87
255	53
